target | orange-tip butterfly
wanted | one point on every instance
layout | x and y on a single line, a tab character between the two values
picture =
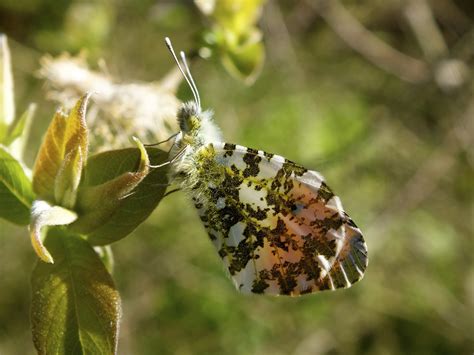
278	228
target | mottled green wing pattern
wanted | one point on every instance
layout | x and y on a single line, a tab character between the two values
277	226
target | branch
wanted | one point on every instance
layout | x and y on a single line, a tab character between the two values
356	36
429	37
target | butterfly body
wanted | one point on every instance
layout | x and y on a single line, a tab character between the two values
278	228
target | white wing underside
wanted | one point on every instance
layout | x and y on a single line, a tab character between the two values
278	227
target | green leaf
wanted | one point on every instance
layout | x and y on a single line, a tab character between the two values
235	37
127	213
245	60
237	16
65	134
43	215
68	178
7	103
16	193
98	203
19	127
75	305
49	158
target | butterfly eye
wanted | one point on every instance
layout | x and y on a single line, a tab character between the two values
188	117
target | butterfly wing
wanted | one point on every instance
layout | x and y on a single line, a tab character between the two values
277	226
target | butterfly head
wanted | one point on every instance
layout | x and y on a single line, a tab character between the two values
189	117
197	127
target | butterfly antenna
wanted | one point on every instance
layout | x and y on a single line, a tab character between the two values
188	80
186	66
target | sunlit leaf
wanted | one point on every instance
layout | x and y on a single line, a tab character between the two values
68	178
134	208
43	215
235	37
76	129
237	16
19	129
16	193
65	134
75	305
99	202
87	25
7	103
50	157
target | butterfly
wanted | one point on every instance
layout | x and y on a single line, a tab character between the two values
277	226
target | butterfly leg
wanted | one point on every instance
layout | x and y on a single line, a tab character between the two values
171	161
158	143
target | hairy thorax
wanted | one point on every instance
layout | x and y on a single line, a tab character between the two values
192	153
196	171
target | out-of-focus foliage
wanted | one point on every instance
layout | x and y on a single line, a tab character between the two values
235	36
86	320
119	110
399	153
14	131
15	189
85	25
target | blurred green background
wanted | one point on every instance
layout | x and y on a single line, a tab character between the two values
392	134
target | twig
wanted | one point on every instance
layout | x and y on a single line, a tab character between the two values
356	36
450	15
282	49
429	37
